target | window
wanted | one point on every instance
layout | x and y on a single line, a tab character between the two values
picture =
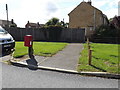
90	28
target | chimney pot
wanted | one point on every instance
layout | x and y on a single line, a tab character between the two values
89	2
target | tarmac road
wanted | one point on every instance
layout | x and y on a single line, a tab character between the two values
17	77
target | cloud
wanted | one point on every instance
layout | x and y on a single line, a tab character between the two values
43	10
119	8
111	13
3	1
31	10
39	10
108	7
51	7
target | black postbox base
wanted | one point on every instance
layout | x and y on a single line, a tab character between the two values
30	52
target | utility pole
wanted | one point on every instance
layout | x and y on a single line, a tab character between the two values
7	14
94	19
63	22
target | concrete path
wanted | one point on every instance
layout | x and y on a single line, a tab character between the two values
65	59
5	58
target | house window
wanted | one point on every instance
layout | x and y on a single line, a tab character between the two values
29	26
0	22
91	28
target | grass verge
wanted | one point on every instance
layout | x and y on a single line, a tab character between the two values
40	48
104	58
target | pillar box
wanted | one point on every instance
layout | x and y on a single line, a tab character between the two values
28	41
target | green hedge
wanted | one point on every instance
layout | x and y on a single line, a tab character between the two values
105	34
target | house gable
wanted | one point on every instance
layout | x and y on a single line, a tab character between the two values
85	15
84	4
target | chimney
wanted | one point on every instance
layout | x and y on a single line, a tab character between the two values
28	22
89	2
38	23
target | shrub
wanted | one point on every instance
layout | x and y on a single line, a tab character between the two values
105	34
105	31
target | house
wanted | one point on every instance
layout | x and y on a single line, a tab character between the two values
88	17
33	25
5	23
115	22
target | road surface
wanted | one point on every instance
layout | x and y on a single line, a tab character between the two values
18	77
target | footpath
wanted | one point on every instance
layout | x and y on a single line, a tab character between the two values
64	61
67	59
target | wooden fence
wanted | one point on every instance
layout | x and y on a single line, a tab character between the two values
65	35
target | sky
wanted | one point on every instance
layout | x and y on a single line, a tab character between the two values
41	11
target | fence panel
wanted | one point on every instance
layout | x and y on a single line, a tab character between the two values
66	35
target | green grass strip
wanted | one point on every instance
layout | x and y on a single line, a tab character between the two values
104	58
40	48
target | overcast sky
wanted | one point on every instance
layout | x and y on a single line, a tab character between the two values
43	10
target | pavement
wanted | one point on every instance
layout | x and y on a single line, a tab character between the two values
65	61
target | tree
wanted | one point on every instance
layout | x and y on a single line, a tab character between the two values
52	29
56	22
53	21
65	25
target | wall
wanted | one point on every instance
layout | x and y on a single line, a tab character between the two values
81	16
85	16
66	35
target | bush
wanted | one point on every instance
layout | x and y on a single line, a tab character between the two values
105	31
105	34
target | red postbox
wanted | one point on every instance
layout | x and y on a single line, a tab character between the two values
28	41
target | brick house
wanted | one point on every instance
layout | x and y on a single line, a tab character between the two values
33	25
88	17
116	22
5	23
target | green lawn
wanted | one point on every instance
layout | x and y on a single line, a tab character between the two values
104	58
40	48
